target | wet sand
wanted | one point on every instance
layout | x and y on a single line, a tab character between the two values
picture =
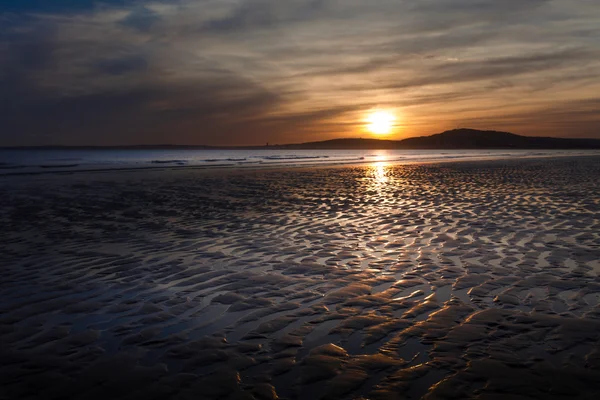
443	281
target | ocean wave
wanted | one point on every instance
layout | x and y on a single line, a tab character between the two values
225	159
292	157
59	165
65	159
10	166
309	161
180	162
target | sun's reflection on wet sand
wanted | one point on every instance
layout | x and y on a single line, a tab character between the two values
380	186
379	174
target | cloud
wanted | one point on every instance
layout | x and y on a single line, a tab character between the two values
496	68
141	18
576	119
68	6
57	91
251	71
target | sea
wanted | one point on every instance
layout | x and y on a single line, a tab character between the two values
30	161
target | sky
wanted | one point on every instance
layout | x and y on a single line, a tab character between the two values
247	72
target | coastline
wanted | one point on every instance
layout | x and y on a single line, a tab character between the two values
61	170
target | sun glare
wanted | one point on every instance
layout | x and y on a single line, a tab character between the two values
381	122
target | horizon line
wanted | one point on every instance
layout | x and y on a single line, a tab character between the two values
267	145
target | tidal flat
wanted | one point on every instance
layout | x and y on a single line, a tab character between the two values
437	281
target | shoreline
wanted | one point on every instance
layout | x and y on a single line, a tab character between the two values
299	165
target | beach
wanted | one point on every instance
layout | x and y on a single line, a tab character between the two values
453	280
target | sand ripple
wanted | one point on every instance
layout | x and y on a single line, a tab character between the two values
466	280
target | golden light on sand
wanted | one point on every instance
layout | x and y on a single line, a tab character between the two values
378	175
380	122
381	172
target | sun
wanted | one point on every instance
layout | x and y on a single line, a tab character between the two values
380	122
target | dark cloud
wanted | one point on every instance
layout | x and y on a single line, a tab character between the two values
202	114
120	66
198	111
261	14
20	6
141	18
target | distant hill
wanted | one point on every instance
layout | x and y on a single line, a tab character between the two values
454	139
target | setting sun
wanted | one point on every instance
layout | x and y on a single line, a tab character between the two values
380	122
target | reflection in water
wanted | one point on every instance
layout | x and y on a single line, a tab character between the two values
379	174
381	186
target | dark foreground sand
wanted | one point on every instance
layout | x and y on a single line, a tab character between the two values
467	280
